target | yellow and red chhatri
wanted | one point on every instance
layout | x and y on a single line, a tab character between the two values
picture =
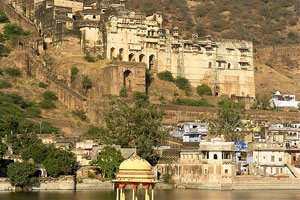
135	171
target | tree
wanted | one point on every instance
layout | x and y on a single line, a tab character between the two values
48	95
204	90
3	149
3	17
74	72
108	161
86	83
59	162
21	174
230	117
142	124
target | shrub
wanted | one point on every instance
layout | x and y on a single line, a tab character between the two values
162	99
141	98
4	84
204	90
80	114
74	72
166	76
47	128
182	83
33	111
166	178
123	92
13	72
91	175
269	64
3	17
86	83
190	102
89	58
47	104
48	95
43	85
13	31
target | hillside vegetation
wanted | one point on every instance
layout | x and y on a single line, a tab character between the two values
262	21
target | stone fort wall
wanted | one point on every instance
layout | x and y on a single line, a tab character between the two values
15	17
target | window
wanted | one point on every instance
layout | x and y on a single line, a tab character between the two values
226	171
215	157
272	158
219	64
209	65
280	159
94	16
228	65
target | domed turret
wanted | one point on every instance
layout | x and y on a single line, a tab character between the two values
135	169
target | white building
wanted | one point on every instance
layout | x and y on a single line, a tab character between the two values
287	100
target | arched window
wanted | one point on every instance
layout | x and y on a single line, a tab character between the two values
209	65
215	157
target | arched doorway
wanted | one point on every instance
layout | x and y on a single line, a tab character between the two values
142	58
112	53
151	62
127	79
131	58
121	52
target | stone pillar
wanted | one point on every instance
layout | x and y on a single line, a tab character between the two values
152	191
118	197
146	186
122	194
134	191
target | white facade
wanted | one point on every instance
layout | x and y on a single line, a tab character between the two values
288	100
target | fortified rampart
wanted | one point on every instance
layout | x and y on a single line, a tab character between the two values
15	17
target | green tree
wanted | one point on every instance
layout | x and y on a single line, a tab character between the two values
230	118
86	83
3	149
142	124
204	90
21	174
59	162
108	161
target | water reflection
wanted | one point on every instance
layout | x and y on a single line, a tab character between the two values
159	195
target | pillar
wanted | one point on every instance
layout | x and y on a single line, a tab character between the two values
122	193
146	186
152	191
134	191
118	197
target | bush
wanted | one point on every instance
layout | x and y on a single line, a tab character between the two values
43	85
123	92
86	83
204	90
166	178
91	175
80	114
47	104
13	72
13	31
48	95
4	84
89	58
269	64
141	98
47	128
74	72
3	17
166	76
33	111
182	83
190	102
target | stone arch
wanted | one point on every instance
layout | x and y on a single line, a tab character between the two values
112	52
151	61
209	65
127	76
131	57
121	53
142	58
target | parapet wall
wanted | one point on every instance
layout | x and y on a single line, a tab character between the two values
15	17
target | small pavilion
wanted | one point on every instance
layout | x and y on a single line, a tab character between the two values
135	171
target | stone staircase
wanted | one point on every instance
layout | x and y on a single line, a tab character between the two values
293	170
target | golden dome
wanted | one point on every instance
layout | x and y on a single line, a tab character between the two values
135	169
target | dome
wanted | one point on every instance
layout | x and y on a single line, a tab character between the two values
135	169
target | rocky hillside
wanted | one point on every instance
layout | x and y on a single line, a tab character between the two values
262	21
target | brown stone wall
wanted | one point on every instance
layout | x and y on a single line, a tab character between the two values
15	17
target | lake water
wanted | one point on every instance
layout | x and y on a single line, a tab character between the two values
179	194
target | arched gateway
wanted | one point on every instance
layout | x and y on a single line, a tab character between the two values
134	171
